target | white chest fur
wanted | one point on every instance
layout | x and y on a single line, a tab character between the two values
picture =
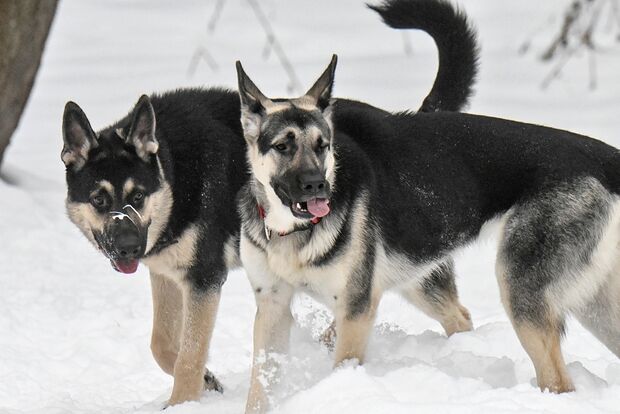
283	260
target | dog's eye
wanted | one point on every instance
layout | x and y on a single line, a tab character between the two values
137	198
322	146
281	147
99	201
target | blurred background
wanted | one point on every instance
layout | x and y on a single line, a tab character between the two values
104	54
75	334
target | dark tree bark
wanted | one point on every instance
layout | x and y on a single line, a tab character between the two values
24	25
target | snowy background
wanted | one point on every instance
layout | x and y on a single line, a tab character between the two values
74	334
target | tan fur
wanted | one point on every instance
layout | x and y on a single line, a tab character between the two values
543	347
452	316
273	107
128	187
199	312
174	260
450	313
76	157
157	209
106	185
86	218
167	321
183	321
456	319
353	333
541	344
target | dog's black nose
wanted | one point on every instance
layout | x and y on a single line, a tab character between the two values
312	182
127	245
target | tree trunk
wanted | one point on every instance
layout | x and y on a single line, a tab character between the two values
24	25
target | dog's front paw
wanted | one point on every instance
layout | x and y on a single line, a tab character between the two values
212	383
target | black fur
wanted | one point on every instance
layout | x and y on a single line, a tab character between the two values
456	43
440	283
436	178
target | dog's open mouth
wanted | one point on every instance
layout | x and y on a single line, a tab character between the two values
315	207
125	266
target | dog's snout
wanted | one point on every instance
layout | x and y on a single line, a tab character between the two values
311	182
126	238
128	245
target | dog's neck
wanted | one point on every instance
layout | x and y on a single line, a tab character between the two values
160	231
277	217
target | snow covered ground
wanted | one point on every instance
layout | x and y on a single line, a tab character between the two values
74	334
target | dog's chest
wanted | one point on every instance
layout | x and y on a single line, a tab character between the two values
286	260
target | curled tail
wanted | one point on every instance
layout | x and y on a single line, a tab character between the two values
456	42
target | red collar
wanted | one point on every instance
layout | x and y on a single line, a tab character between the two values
262	214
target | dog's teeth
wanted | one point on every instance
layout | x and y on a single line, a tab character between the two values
298	205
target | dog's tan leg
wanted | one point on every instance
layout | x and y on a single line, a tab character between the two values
271	336
437	297
199	312
167	321
447	310
543	347
541	339
353	331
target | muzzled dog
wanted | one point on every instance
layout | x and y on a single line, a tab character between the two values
401	192
159	187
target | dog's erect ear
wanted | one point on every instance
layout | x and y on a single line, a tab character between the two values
142	131
253	104
321	92
78	136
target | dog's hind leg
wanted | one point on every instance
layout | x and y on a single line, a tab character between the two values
542	344
538	330
437	297
556	250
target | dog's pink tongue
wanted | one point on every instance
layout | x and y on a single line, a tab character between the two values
318	207
126	266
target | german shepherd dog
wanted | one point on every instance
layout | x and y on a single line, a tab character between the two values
353	201
324	213
160	185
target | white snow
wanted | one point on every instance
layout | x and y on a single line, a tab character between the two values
75	334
